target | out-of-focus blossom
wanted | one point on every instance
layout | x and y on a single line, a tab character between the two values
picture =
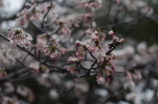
11	100
129	85
9	88
35	66
25	92
84	87
132	96
53	94
41	39
100	79
90	5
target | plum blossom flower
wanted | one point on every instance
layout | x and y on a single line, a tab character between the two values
19	37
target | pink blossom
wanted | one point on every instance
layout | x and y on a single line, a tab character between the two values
102	37
71	69
94	36
28	4
137	75
18	37
41	39
82	43
89	31
77	43
62	50
64	30
52	56
43	9
115	39
22	22
128	76
100	80
33	1
111	33
88	4
111	72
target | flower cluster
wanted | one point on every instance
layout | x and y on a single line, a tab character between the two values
53	49
135	75
19	37
28	14
90	4
11	100
101	35
92	45
32	12
64	29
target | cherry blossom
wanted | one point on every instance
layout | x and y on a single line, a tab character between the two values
100	80
94	48
19	37
89	4
53	50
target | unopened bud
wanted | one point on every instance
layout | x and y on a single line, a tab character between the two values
111	33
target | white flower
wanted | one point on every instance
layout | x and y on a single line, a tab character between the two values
101	80
19	37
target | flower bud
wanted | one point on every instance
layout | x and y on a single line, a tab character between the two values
111	33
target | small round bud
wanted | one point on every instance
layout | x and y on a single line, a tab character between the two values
111	33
